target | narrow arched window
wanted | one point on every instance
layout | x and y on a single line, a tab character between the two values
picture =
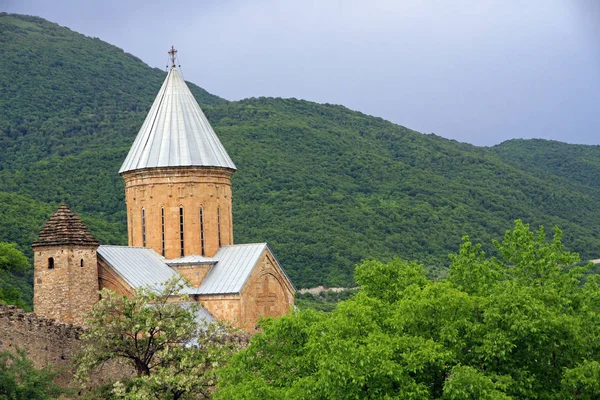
50	263
219	224
131	225
181	230
162	229
202	230
81	263
143	228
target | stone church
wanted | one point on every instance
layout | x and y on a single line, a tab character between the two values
179	218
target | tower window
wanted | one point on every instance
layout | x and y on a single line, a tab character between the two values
131	224
143	228
202	230
181	230
50	263
219	224
162	230
81	263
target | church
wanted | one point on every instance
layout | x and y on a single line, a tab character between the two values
179	219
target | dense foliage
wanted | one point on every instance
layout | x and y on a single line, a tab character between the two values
324	301
20	380
326	186
14	273
547	158
173	353
523	325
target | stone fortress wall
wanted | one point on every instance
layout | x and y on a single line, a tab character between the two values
48	342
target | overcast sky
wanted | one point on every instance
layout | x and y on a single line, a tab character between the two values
478	71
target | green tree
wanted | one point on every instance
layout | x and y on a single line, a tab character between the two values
14	266
20	380
172	355
11	259
523	325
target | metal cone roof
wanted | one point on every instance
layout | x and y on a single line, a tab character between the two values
176	133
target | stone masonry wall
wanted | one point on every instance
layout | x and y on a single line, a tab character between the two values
48	342
224	307
194	274
168	189
267	293
67	291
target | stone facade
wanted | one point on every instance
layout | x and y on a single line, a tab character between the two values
155	198
193	274
65	269
68	274
67	291
224	307
268	293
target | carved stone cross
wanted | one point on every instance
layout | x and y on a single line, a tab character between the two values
266	300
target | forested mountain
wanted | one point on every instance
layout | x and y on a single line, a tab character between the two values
545	158
325	186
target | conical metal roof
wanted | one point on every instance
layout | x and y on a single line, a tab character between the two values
176	133
65	228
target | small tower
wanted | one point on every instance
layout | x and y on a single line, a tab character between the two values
177	178
65	269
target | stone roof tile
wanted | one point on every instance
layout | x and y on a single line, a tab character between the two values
65	228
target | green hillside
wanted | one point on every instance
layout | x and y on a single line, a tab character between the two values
70	108
545	158
325	186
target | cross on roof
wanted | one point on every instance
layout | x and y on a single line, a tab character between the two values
172	54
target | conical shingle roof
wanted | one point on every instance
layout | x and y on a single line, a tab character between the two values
65	228
176	133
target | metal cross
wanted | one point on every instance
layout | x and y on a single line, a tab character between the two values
172	53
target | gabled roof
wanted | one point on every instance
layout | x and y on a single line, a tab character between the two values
65	228
138	266
176	133
234	266
141	266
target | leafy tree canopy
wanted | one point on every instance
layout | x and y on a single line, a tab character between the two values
520	325
14	268
12	260
20	380
173	357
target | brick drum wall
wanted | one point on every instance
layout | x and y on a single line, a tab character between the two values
169	189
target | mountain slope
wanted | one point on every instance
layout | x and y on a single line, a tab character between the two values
70	108
352	186
577	163
324	185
